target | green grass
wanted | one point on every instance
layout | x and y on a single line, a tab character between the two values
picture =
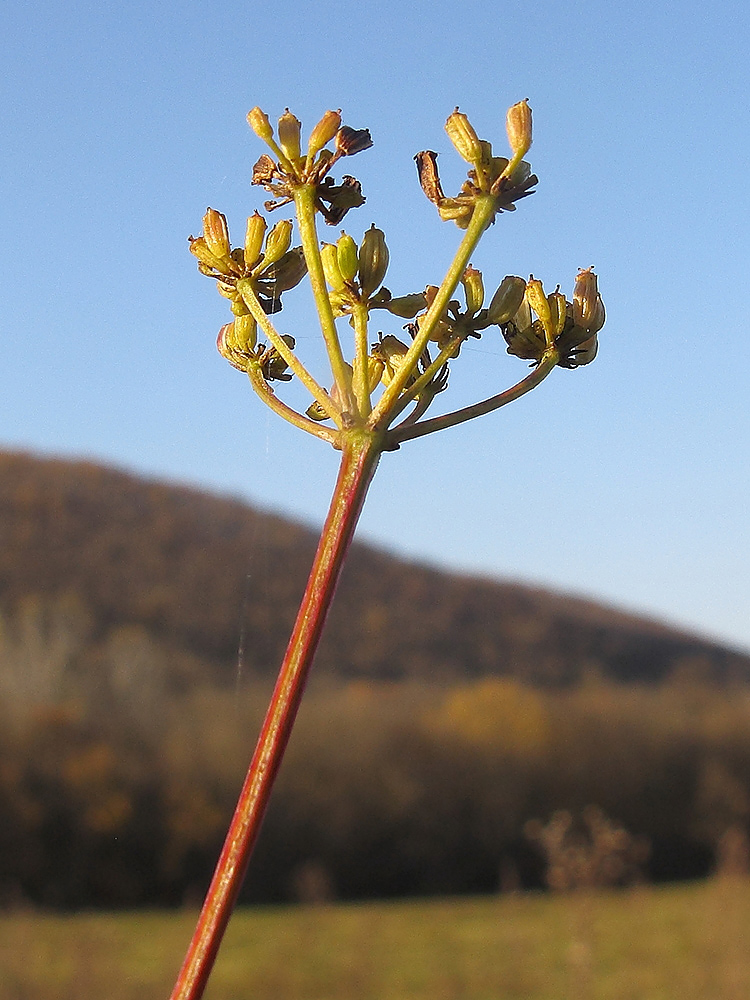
685	942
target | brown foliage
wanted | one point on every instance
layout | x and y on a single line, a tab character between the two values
196	571
126	723
387	789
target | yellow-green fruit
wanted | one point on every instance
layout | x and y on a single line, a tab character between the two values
323	132
330	259
586	312
538	301
278	242
507	299
518	127
259	123
209	260
558	313
373	261
461	133
347	257
289	133
407	306
597	320
256	230
288	272
473	290
216	233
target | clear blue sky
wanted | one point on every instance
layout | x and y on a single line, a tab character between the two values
626	480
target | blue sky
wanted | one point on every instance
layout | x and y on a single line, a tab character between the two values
626	480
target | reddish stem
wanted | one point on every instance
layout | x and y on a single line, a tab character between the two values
358	463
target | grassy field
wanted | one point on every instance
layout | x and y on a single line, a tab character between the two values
685	942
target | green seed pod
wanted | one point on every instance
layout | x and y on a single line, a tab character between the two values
329	257
538	301
373	261
518	127
522	318
216	233
572	336
347	257
256	230
206	258
506	300
259	123
289	133
452	210
586	312
558	313
287	272
278	242
407	306
323	132
461	133
233	346
486	148
473	290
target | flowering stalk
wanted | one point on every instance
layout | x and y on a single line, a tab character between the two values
358	464
547	330
304	198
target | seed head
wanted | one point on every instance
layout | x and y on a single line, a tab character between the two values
518	127
259	123
461	133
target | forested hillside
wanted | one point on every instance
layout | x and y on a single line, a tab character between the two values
446	713
98	550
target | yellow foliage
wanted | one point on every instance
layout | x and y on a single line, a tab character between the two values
497	713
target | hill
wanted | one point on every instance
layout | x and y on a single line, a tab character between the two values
86	551
125	726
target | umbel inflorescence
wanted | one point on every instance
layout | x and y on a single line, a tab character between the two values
384	384
379	388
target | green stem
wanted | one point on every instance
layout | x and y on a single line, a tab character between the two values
270	398
406	432
480	219
414	390
361	386
246	290
304	201
360	455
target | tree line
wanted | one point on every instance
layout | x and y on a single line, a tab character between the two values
140	628
388	789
